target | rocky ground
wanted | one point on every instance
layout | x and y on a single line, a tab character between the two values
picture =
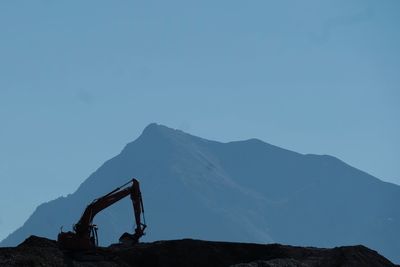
37	251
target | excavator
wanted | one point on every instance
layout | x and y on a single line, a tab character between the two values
84	236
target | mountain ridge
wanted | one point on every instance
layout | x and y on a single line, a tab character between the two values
247	191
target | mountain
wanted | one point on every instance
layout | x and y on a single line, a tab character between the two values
244	191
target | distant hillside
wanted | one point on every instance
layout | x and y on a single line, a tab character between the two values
245	191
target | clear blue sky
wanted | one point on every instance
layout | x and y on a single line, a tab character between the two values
80	79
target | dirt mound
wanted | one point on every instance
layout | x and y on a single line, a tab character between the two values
37	251
36	241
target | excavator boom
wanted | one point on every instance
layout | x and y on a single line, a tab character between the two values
84	235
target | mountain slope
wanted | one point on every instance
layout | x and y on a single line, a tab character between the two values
246	191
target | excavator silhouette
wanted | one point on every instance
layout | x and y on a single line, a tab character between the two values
84	236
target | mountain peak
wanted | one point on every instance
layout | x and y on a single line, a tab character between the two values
154	130
160	135
154	126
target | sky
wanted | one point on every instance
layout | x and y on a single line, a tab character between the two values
81	79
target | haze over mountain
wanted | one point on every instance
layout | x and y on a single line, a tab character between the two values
247	191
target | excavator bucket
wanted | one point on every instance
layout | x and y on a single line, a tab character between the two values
132	239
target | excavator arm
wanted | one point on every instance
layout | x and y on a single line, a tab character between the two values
85	233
